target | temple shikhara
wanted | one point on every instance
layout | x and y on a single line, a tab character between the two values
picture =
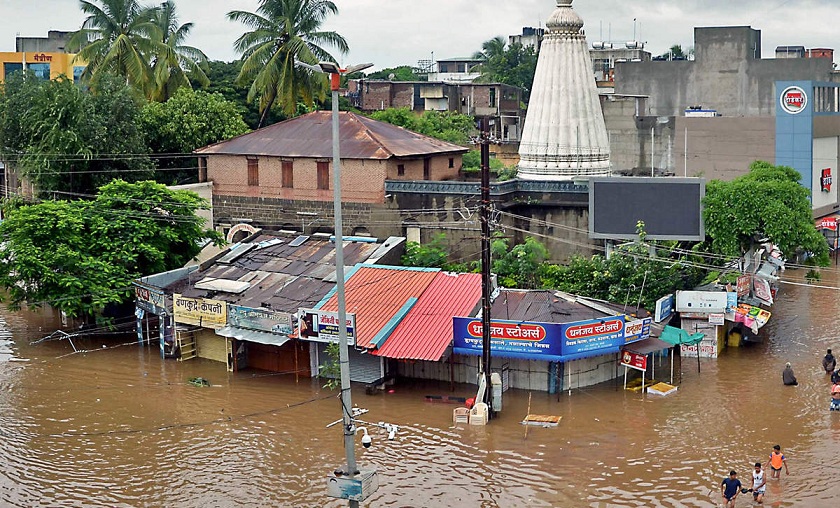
564	134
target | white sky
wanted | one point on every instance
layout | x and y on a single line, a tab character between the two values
401	32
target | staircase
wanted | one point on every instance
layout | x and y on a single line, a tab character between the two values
186	344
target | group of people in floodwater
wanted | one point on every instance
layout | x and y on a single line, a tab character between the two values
829	364
731	486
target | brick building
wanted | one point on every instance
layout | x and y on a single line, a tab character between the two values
280	177
500	103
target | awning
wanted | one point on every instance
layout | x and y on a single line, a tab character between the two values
646	346
677	336
272	339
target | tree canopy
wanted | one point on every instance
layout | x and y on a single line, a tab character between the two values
70	141
80	256
283	33
766	202
144	45
445	125
513	64
400	73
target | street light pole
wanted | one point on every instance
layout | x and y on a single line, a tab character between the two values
335	73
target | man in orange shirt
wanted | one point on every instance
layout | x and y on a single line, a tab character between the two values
777	459
835	397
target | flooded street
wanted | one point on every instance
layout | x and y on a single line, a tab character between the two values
120	427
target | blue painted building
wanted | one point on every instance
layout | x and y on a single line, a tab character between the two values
808	138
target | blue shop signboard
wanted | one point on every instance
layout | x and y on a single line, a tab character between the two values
510	339
545	341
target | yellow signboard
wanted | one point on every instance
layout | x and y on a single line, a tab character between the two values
200	311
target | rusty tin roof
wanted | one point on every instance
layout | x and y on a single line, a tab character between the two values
310	136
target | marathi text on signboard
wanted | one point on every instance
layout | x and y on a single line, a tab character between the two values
743	285
260	319
634	360
510	338
146	295
583	336
323	326
199	311
637	330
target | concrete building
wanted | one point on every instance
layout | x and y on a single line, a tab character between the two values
729	82
530	37
56	41
457	70
499	103
564	134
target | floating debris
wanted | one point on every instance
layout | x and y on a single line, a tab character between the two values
199	381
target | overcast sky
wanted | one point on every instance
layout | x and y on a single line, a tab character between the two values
401	32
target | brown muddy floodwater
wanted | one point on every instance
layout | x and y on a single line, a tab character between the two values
120	427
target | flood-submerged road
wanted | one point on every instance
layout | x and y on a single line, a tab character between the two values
120	427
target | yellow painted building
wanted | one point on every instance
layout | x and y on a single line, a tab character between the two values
44	65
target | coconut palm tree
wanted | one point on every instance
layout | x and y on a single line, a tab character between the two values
116	38
174	64
284	31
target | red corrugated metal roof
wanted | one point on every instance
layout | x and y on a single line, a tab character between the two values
310	136
375	294
426	332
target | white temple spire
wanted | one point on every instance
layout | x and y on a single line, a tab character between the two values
564	135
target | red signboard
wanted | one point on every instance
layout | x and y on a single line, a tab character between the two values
634	360
827	223
743	285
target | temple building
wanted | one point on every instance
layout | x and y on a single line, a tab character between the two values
564	135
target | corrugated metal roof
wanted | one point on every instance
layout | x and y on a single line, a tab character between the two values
281	277
310	136
540	306
426	331
376	293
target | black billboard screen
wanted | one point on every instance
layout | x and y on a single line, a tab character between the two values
670	207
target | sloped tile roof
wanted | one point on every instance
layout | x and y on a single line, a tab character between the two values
426	331
375	294
310	136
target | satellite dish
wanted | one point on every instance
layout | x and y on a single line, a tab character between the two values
391	76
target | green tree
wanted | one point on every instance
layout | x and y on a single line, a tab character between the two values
69	141
766	202
284	32
399	73
117	38
518	267
174	63
513	65
80	256
432	254
189	120
445	125
222	77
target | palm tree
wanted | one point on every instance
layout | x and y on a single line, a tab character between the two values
492	50
174	63
116	38
285	31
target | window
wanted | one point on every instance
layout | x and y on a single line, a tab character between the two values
492	97
427	169
323	175
77	74
253	171
442	67
288	176
41	70
400	169
451	162
11	68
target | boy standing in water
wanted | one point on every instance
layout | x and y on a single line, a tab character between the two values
759	484
777	459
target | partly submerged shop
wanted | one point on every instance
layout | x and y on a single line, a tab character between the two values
553	342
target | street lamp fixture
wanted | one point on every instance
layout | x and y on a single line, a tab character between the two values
335	73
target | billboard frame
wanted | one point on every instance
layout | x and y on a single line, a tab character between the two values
639	180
